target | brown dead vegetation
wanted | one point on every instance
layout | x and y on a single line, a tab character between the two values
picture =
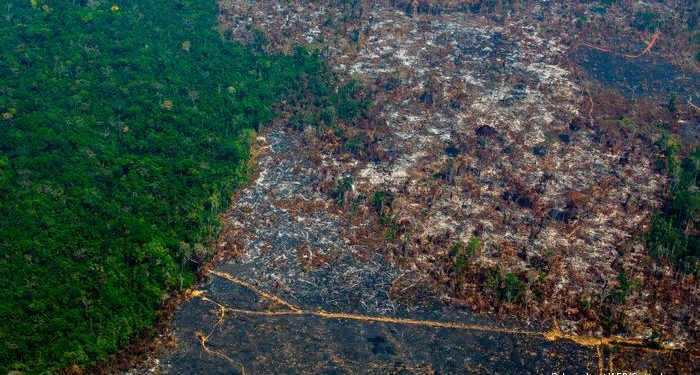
484	127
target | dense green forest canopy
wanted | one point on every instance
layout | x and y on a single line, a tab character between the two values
124	129
673	235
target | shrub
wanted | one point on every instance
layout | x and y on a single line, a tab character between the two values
504	286
624	288
646	21
344	185
460	254
381	200
672	235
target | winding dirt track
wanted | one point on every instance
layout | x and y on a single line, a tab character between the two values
290	310
263	313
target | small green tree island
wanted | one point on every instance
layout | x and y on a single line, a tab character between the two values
125	128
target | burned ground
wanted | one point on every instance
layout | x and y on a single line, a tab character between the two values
504	170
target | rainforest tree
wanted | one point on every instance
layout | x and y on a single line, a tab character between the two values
124	129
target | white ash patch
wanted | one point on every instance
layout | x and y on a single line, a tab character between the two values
512	183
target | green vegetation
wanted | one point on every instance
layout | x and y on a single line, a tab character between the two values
646	21
673	234
382	200
461	254
537	286
626	123
327	106
357	145
460	259
504	286
673	103
599	9
392	229
352	10
612	319
654	340
344	186
624	288
125	129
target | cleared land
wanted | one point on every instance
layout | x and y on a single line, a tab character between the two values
485	214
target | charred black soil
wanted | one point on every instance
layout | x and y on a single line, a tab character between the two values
484	217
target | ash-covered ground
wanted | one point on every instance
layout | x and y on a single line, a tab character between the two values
493	185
